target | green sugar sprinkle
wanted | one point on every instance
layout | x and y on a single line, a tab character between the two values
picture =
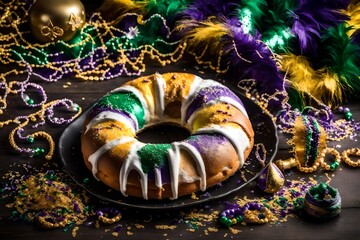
125	101
153	156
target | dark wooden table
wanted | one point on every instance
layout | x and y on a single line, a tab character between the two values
142	224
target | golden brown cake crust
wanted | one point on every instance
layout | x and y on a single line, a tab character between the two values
220	161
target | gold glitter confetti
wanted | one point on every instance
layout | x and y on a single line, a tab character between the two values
139	225
74	231
171	227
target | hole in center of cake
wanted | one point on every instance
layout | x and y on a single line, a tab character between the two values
163	133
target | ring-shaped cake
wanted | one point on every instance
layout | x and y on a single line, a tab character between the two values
221	136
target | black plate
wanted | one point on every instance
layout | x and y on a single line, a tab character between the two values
71	157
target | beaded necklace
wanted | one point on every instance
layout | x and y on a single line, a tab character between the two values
103	51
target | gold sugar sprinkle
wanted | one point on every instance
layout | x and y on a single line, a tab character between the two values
234	230
193	196
74	231
139	225
97	225
171	227
213	229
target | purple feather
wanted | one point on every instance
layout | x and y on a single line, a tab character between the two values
332	4
202	9
255	60
307	30
312	17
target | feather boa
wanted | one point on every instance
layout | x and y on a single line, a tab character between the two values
274	26
203	9
113	10
250	58
318	40
338	74
342	56
320	84
353	12
203	34
312	17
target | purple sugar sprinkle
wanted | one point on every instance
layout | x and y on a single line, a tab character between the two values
76	207
208	94
117	228
202	142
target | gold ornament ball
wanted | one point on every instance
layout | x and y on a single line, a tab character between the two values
53	20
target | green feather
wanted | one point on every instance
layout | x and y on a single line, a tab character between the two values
257	9
341	56
296	99
275	24
166	8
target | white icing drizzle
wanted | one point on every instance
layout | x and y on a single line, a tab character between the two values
160	95
200	166
139	95
225	100
184	177
94	158
174	165
236	104
132	162
199	85
186	101
158	180
236	136
109	115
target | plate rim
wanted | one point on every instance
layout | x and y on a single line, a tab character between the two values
165	206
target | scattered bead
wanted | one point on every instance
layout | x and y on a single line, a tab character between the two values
38	152
252	212
74	108
30	101
345	157
333	166
348	116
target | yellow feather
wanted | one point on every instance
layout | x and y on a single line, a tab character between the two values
328	88
204	34
301	74
321	84
353	11
113	10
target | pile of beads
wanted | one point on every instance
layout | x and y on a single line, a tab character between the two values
333	166
347	113
352	151
251	212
